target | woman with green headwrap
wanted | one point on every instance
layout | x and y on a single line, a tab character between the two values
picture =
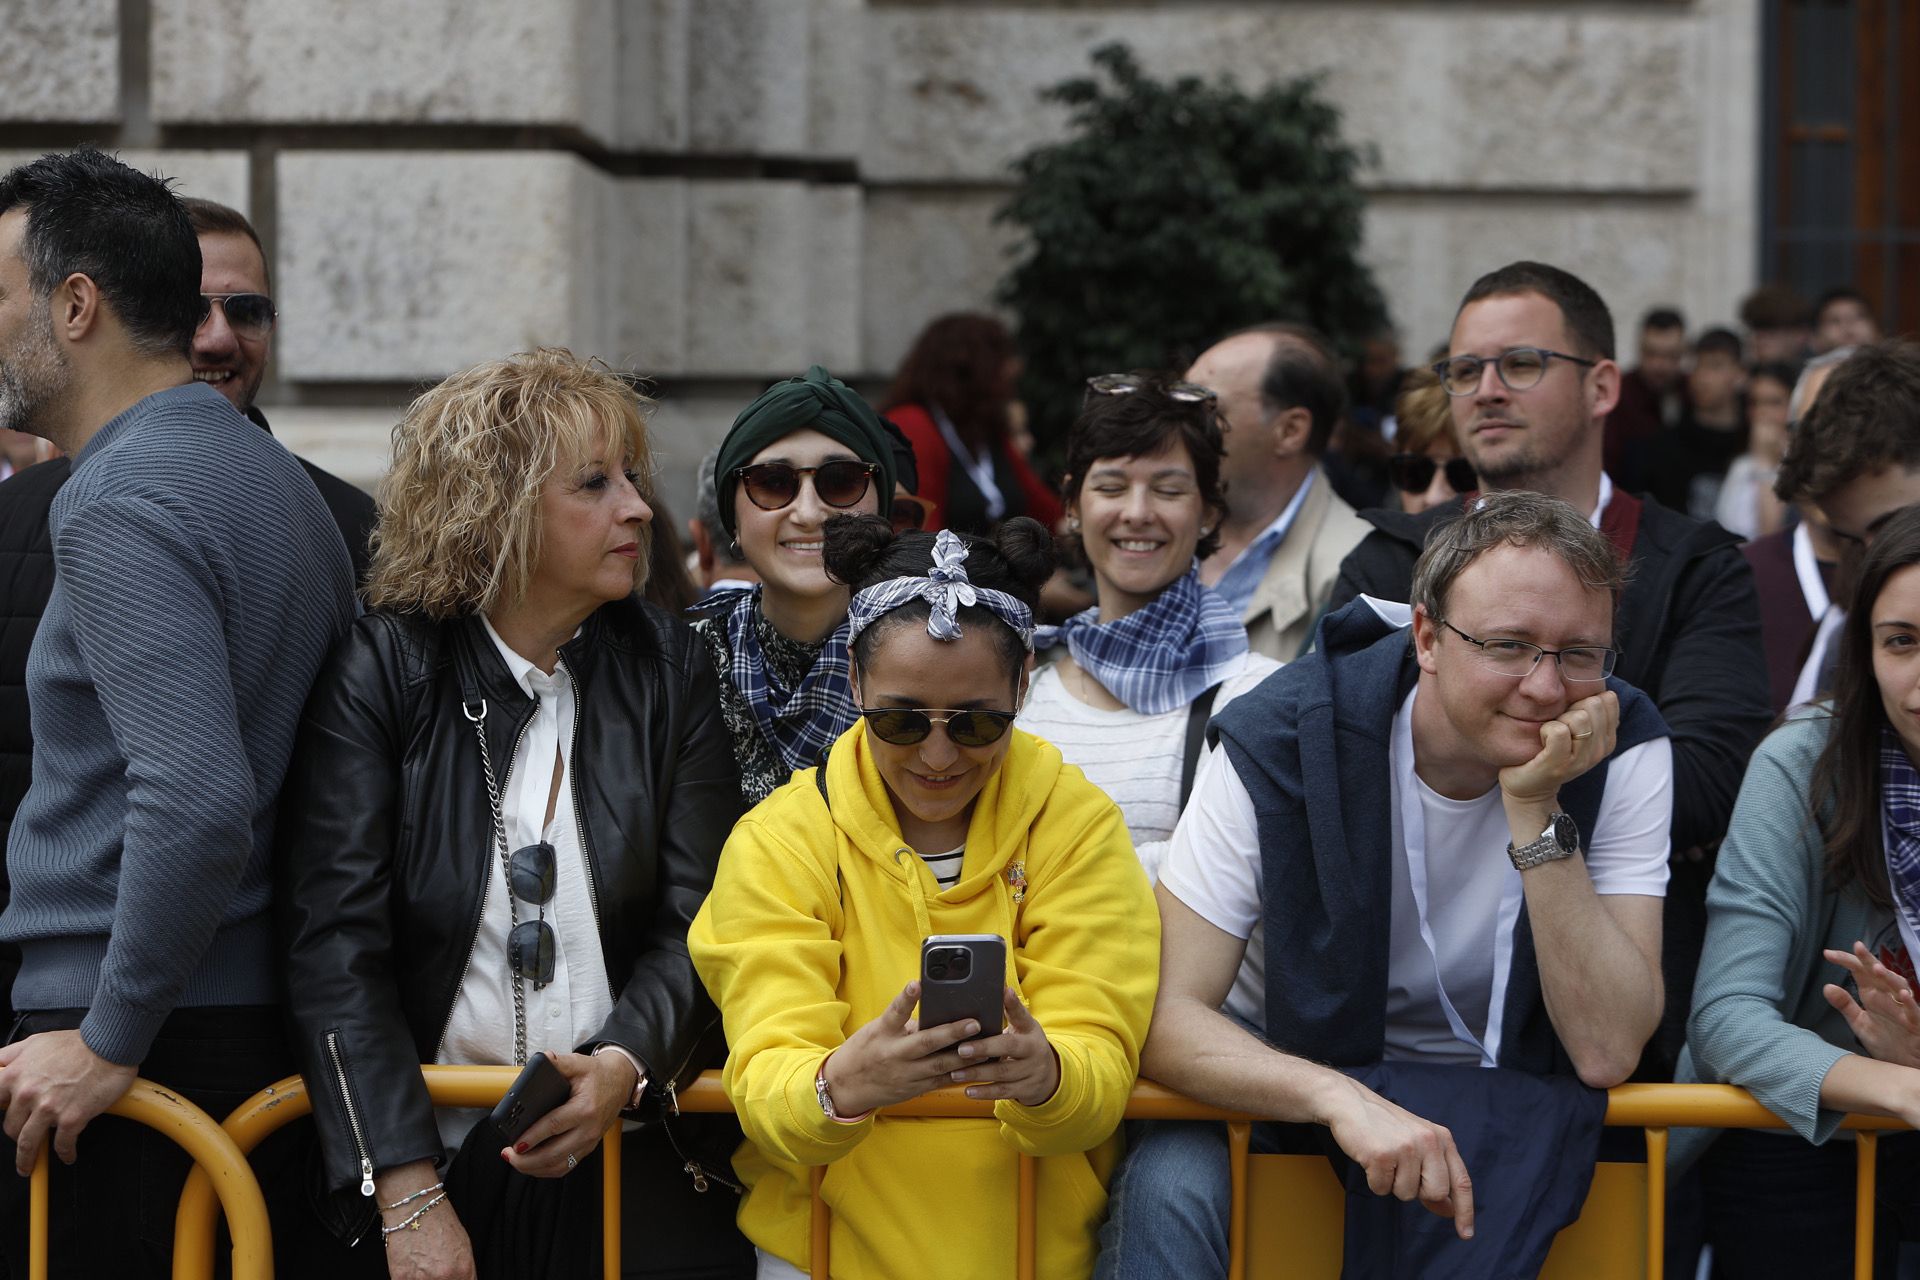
809	448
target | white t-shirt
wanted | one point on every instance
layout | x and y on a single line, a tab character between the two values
571	1008
1134	758
1213	866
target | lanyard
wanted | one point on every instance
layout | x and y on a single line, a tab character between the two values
1413	831
980	468
1807	569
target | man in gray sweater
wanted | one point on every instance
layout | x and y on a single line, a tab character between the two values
199	584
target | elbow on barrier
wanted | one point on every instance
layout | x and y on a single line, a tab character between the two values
1620	1231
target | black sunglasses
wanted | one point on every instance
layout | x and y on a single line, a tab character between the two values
250	315
906	726
1413	472
530	947
773	485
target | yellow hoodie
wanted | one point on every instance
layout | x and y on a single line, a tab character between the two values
815	923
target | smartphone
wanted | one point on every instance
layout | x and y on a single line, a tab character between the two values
539	1089
961	977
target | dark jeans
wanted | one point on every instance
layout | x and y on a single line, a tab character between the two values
1776	1205
112	1210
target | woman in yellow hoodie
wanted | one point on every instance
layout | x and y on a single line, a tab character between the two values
932	815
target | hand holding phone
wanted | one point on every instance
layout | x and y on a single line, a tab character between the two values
539	1089
961	976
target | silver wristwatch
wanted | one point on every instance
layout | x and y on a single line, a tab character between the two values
1560	840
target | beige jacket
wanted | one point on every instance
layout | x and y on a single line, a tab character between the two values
1287	604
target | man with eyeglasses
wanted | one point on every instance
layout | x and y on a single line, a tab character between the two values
1282	541
1442	846
1531	379
200	583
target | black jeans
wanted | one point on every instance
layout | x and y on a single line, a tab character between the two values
112	1210
1776	1205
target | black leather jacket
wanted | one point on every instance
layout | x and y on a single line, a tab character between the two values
385	835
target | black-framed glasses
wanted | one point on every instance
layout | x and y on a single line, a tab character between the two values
251	315
1413	472
1126	384
1517	658
773	485
906	726
531	875
1521	368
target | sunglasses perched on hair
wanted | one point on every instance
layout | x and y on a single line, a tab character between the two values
907	726
1126	384
1413	472
530	947
773	485
250	315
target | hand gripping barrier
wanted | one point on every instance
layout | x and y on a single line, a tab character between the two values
1599	1245
219	1163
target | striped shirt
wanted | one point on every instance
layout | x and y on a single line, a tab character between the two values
945	866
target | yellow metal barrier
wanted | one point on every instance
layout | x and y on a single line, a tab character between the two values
218	1162
1591	1248
282	1103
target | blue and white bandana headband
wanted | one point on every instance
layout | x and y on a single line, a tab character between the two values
1159	658
947	589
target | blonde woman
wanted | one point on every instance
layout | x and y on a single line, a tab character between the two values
506	803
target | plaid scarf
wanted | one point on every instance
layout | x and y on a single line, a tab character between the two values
800	723
1900	803
1162	657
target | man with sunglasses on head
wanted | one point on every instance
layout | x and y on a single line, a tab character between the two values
1531	377
200	582
1286	531
1442	838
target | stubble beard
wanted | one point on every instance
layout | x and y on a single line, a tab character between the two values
32	376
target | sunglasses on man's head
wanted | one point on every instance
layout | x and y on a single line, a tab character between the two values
773	485
1413	472
531	874
250	315
908	726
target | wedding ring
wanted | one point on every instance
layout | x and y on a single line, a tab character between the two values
1587	734
571	1161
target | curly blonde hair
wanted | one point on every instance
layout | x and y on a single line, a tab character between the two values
459	530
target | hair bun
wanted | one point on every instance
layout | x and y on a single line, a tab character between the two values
855	546
1027	548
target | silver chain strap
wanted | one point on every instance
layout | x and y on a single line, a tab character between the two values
479	722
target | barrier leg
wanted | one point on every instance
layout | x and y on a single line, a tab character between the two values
1026	1224
1239	1137
38	1225
817	1226
610	1154
1656	1203
1866	1145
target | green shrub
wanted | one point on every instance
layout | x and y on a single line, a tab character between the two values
1173	214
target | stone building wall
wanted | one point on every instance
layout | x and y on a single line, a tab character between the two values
719	192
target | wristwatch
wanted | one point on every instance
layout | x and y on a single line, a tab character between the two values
820	1089
1560	840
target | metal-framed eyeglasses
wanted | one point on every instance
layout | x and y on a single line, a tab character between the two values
1517	658
251	315
1520	368
909	726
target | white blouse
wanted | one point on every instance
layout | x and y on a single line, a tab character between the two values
573	1007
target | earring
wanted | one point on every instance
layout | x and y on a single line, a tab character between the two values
1073	524
733	552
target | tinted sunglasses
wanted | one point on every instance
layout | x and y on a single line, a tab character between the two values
773	485
250	315
910	512
531	946
906	726
1126	384
1413	472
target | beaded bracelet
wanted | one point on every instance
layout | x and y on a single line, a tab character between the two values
404	1201
412	1223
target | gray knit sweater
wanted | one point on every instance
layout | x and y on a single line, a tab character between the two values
199	583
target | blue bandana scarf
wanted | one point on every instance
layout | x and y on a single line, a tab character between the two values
1162	657
1900	802
800	723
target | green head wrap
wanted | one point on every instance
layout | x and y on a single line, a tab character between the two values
818	401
